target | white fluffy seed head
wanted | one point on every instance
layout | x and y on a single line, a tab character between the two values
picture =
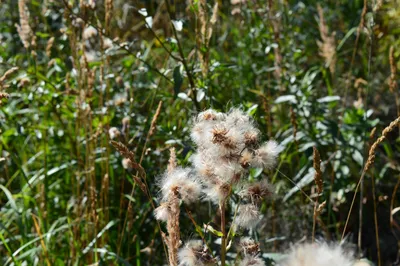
266	155
89	32
187	255
114	132
181	180
216	192
194	254
257	191
162	212
126	163
238	118
252	260
227	145
247	216
201	133
210	115
318	254
248	246
204	122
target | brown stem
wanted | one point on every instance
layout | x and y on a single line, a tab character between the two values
223	230
378	247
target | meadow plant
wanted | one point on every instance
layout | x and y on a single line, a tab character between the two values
228	145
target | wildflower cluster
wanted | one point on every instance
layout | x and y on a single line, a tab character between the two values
228	145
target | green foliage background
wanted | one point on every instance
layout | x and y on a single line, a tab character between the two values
64	193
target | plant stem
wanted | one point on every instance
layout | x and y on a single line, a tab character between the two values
223	230
184	62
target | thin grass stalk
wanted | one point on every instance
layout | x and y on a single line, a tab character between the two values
378	246
319	183
267	110
109	6
140	171
184	62
368	164
38	231
24	29
392	80
222	208
360	26
360	220
395	234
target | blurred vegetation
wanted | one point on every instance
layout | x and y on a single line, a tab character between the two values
312	74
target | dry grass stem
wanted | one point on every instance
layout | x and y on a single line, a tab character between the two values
368	164
7	74
173	240
319	183
154	120
109	5
276	28
49	45
24	29
376	221
372	150
318	173
392	80
327	47
172	160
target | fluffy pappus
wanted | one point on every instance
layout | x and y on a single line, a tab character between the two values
251	138
248	246
181	180
252	260
257	191
238	118
114	133
210	115
162	212
318	254
195	253
266	155
217	192
245	159
248	216
201	133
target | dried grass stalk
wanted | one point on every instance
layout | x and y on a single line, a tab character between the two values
318	173
24	30
206	30
327	47
368	164
7	74
173	229
154	120
49	45
319	183
393	70
126	153
372	150
172	160
392	80
109	4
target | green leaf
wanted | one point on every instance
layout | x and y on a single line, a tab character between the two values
9	197
328	99
212	230
178	80
286	98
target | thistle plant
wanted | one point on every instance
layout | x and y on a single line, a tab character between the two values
228	146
